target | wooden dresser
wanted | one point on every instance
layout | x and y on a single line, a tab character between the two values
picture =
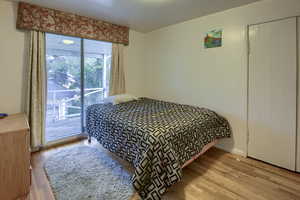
15	175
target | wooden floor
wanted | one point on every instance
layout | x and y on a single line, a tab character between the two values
215	175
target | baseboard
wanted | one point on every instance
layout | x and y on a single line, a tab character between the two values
239	152
233	151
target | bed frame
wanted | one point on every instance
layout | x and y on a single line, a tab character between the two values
205	148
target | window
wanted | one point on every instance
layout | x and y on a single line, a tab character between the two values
76	78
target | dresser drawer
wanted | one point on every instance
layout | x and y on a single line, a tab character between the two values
15	173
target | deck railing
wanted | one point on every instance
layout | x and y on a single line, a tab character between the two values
58	106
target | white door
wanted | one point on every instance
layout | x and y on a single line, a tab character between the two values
272	92
298	132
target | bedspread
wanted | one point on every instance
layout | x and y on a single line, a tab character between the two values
157	137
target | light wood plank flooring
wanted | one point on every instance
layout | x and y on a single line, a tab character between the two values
215	175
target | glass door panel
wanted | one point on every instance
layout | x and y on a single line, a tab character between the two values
63	64
97	56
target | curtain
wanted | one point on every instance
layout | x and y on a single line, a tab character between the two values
117	74
36	89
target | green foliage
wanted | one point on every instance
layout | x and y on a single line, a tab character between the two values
93	72
65	71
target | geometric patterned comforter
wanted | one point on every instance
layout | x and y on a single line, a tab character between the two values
157	137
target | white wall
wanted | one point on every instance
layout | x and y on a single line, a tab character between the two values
13	54
179	69
12	57
134	57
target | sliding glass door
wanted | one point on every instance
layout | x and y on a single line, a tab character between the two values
76	78
96	65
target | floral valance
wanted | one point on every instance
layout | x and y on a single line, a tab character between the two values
33	17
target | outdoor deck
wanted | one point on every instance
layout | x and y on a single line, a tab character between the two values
60	129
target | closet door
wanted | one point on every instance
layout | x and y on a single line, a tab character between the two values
298	131
272	92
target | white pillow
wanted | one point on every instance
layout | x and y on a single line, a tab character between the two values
121	98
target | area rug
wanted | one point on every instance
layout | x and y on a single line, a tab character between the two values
87	173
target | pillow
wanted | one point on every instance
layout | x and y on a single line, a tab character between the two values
122	98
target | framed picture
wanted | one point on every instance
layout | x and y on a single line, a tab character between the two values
213	39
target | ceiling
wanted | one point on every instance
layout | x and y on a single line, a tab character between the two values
142	15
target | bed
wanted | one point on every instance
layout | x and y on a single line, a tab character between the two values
159	138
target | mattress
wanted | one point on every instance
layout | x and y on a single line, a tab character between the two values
157	137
